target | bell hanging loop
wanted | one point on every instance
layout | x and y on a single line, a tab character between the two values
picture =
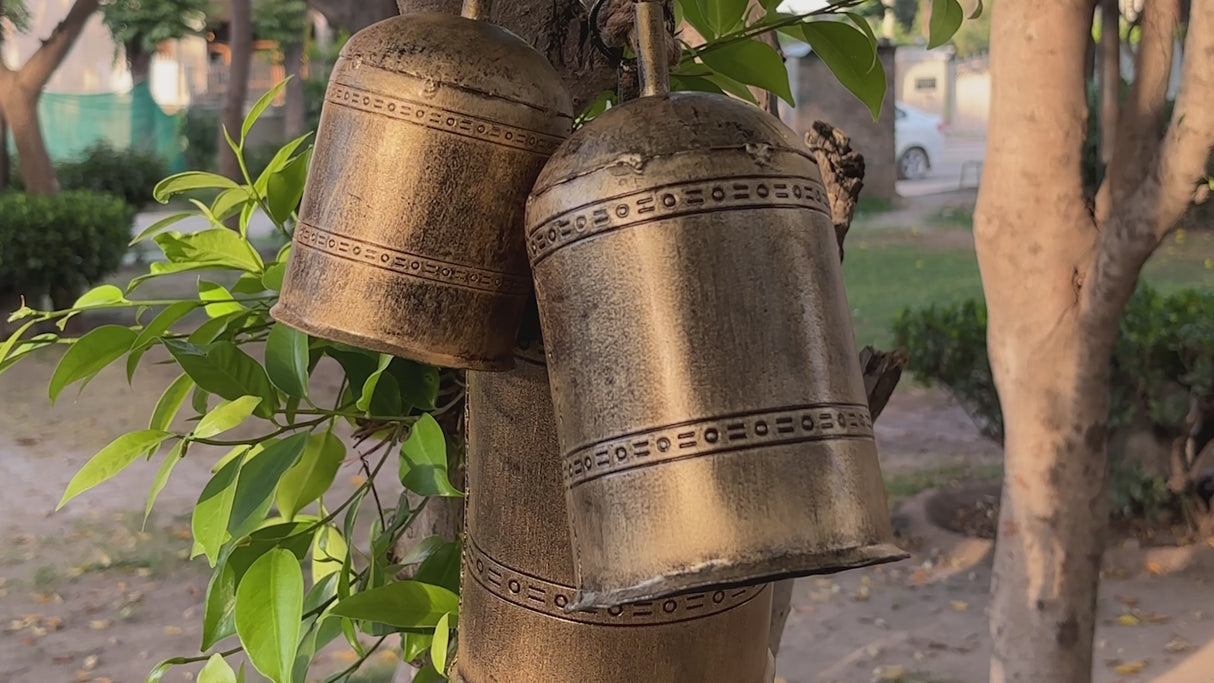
409	240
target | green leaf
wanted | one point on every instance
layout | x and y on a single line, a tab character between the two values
169	403
423	460
287	360
309	478
417	382
442	567
977	10
218	618
733	87
225	416
403	604
693	13
259	477
329	551
723	15
850	57
442	640
216	671
428	674
100	296
111	460
272	279
222	368
162	668
8	345
154	330
89	355
190	180
359	365
220	301
364	400
215	248
269	606
753	63
414	645
256	111
215	327
278	162
209	523
230	202
286	187
161	225
946	18
861	23
162	477
695	83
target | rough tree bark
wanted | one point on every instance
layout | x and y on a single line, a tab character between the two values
20	90
1057	279
138	60
240	35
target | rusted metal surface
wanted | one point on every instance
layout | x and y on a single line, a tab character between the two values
711	412
518	575
409	239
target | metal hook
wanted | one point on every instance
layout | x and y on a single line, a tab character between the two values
614	55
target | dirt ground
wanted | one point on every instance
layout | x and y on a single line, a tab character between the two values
87	595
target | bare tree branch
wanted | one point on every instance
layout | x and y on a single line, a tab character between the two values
38	69
1141	124
1137	224
842	173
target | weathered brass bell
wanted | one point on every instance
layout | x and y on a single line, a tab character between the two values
409	238
710	406
518	577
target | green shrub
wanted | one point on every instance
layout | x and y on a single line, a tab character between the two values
64	241
130	174
1163	358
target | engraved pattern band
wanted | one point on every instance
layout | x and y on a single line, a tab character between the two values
776	426
551	599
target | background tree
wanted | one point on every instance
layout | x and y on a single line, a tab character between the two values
17	15
240	42
1057	277
140	26
286	23
21	88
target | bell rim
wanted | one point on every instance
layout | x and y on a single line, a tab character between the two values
284	315
742	574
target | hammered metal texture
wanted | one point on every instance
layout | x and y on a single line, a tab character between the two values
409	238
712	418
518	577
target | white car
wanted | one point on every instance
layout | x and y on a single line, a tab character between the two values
918	141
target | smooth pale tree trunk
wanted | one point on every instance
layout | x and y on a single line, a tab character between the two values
241	36
20	90
295	118
1056	280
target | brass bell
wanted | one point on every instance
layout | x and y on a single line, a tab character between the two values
711	411
518	577
409	239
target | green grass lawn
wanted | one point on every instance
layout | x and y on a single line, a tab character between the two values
885	276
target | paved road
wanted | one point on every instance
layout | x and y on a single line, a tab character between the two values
945	175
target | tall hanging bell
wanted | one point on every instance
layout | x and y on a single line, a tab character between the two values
713	422
409	240
518	577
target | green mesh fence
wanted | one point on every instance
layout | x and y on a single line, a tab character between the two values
71	123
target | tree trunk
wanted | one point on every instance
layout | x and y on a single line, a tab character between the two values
138	60
20	108
241	36
6	164
19	92
1110	78
1032	232
296	110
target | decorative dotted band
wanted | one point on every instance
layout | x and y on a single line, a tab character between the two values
404	263
777	426
551	599
670	201
437	118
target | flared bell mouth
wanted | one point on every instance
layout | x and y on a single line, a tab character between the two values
283	314
738	575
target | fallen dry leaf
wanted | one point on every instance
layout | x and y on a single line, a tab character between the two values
1153	568
1131	667
1128	620
1126	600
959	605
889	672
172	630
90	663
1176	644
99	624
861	595
1156	618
